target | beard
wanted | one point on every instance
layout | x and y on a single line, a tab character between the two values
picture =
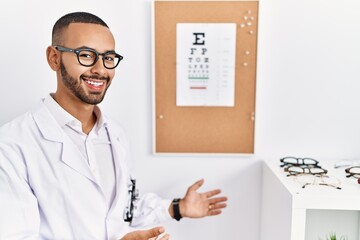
77	89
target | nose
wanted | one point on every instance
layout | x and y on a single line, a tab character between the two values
98	67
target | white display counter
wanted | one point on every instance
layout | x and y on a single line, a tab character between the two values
290	212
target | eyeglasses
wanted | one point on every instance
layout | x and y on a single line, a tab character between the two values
353	172
319	180
88	57
294	161
296	170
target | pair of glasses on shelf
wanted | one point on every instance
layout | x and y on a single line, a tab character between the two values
318	180
303	169
353	172
294	161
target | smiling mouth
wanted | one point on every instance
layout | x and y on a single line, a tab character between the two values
94	83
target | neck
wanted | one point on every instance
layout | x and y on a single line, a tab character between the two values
81	111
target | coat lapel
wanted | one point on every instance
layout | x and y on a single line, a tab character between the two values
119	150
51	131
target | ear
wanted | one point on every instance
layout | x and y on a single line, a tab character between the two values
53	58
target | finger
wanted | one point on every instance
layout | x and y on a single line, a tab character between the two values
153	232
214	212
196	185
212	193
217	200
165	237
218	206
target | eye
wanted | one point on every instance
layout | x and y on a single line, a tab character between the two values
86	54
109	57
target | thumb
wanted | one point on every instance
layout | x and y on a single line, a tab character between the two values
196	185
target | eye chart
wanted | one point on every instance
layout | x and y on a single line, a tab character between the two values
205	64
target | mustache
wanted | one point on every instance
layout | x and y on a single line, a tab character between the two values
96	77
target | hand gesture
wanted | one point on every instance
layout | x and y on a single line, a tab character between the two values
197	205
150	234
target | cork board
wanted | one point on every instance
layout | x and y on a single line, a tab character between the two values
204	129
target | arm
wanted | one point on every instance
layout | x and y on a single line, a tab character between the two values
198	205
19	216
151	209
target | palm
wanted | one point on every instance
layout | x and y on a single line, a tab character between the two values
197	205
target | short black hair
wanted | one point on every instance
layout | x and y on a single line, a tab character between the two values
75	17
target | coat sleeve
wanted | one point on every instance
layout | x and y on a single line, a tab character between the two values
19	218
150	209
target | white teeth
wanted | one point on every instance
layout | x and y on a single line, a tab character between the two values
96	84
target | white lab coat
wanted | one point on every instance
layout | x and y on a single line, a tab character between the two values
47	191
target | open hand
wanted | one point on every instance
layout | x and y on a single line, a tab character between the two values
197	205
150	234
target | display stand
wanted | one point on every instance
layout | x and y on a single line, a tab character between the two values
290	212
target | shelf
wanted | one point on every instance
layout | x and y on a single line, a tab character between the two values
285	204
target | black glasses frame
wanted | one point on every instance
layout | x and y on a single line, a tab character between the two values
78	50
352	174
313	170
295	161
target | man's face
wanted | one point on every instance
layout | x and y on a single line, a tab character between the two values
88	84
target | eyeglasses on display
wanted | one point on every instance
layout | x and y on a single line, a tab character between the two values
298	161
88	57
353	172
318	180
296	170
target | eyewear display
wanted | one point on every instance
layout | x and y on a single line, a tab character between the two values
308	172
88	57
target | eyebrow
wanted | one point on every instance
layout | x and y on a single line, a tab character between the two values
84	46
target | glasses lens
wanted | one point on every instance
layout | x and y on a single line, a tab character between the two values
111	60
294	170
290	160
87	57
317	171
309	161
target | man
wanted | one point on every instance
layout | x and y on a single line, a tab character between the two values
64	165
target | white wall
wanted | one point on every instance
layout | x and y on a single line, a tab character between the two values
308	79
307	95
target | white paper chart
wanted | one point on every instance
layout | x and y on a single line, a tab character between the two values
205	64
